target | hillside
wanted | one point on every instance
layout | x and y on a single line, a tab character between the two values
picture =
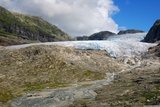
129	31
16	28
101	35
104	35
42	67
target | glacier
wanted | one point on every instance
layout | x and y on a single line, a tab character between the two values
127	45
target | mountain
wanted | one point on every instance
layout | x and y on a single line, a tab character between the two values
16	28
130	31
101	35
82	38
154	33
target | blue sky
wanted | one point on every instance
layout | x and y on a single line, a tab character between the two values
137	14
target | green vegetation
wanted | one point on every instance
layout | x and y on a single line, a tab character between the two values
20	28
5	94
151	97
38	68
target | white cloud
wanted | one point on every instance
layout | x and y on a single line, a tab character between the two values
76	17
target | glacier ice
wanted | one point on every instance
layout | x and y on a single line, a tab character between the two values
127	45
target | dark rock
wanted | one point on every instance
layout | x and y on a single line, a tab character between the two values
138	80
155	81
82	38
103	35
129	31
154	33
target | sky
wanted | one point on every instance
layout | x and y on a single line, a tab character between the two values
85	17
136	14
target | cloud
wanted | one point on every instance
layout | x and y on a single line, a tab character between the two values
76	17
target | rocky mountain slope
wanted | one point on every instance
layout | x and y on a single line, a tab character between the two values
80	38
16	28
103	35
129	31
154	33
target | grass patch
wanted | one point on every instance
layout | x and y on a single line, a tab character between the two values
5	94
151	97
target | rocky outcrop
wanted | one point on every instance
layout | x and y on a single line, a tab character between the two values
129	31
14	25
82	38
103	35
154	51
154	33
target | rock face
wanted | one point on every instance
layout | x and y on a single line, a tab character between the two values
129	31
103	35
154	33
14	26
